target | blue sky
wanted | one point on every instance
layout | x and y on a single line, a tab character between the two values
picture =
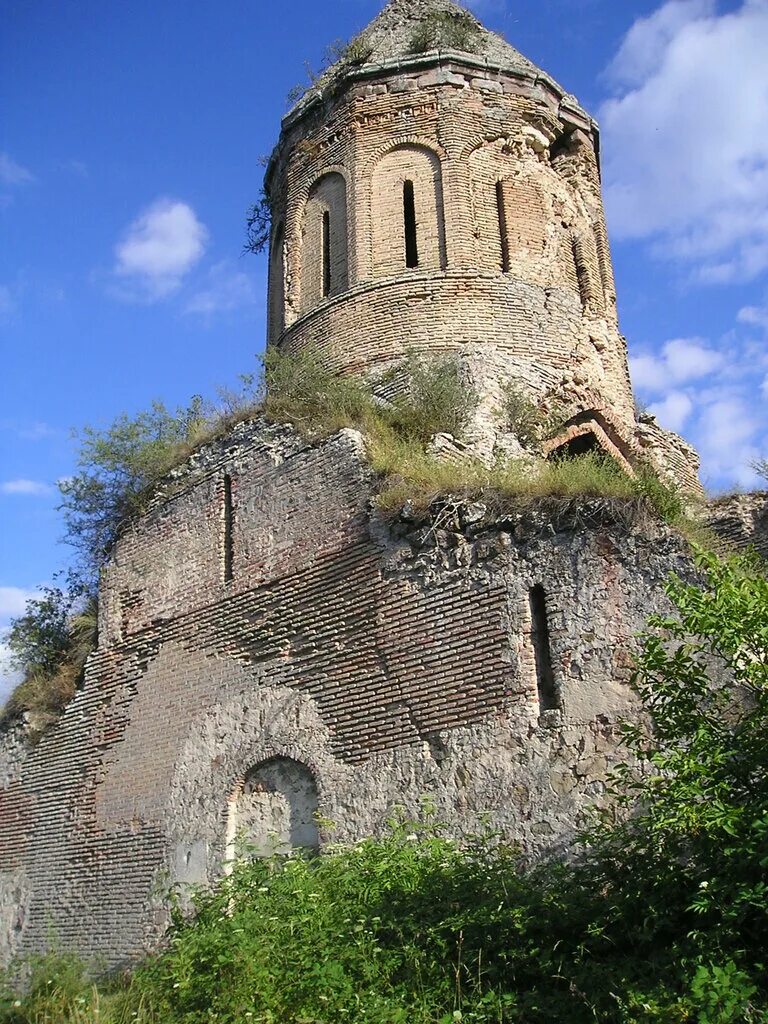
129	152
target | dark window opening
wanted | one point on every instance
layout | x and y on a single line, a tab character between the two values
502	214
561	145
326	257
409	218
228	522
583	444
549	697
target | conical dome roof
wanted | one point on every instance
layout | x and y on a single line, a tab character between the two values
408	27
407	30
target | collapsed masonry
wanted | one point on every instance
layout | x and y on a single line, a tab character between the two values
269	648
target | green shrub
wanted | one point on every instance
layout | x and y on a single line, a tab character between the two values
436	400
39	638
522	417
49	644
302	389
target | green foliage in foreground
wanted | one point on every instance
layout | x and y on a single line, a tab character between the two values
664	918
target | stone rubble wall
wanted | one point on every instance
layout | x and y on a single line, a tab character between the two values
390	663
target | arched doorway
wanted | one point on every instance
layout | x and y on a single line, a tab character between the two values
272	810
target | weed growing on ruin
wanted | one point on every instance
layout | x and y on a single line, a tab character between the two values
522	417
435	398
446	30
341	55
416	479
58	989
302	389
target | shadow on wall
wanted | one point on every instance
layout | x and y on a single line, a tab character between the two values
273	810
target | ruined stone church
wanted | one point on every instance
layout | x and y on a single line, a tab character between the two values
273	657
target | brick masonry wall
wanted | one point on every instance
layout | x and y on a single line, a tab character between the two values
742	520
392	663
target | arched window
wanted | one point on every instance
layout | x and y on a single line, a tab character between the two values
273	810
324	258
407	221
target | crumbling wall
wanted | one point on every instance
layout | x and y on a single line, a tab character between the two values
388	663
742	520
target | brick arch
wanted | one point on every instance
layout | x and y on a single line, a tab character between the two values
323	239
272	809
593	429
481	139
403	166
398	142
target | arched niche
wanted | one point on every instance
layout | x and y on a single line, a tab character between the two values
407	218
324	248
272	810
276	310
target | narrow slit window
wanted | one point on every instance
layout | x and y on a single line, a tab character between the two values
502	215
549	697
409	221
229	550
326	256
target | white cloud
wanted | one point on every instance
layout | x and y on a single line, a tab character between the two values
715	397
9	676
38	431
755	315
638	54
12	173
686	137
727	438
226	288
680	360
76	167
159	248
13	601
26	487
673	411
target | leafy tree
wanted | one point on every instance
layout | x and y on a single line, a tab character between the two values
118	468
39	638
